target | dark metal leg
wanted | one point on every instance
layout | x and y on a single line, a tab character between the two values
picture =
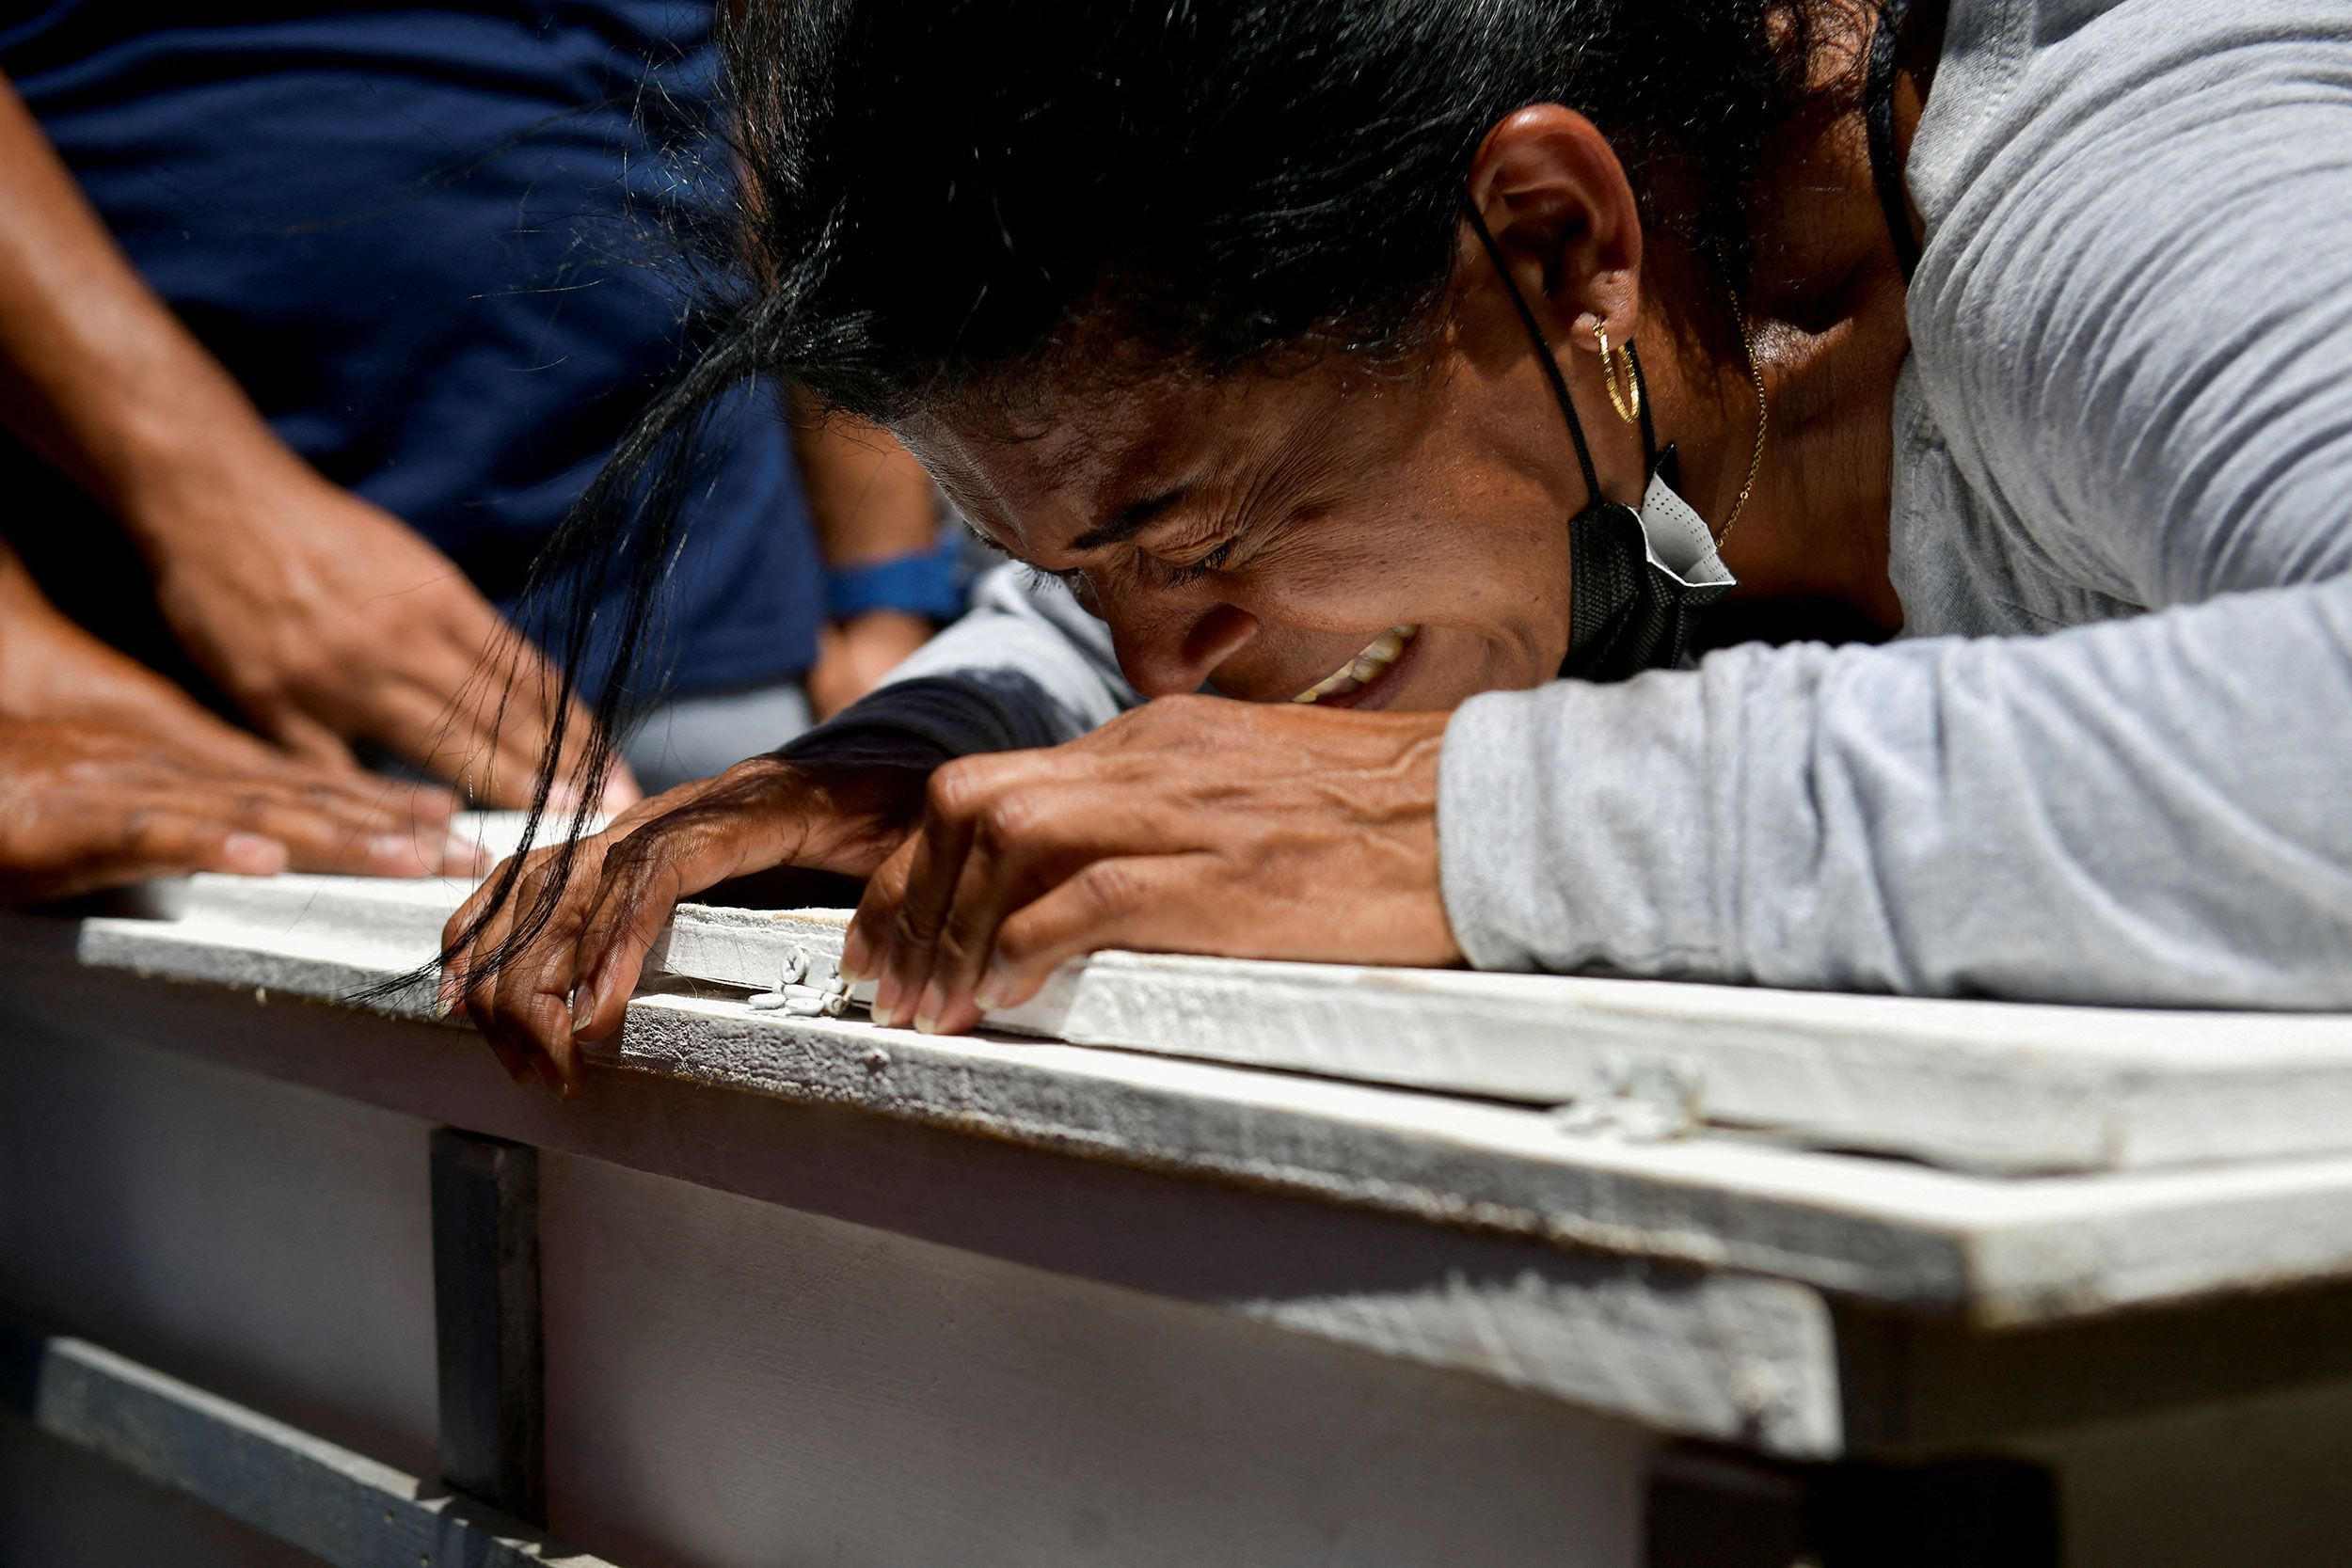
485	1288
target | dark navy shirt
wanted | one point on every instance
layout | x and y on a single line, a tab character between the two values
417	235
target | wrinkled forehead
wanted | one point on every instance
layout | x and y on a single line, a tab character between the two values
1034	483
1074	463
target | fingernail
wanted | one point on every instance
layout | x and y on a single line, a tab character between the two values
853	955
887	1001
984	995
583	1017
251	855
400	848
928	1011
460	854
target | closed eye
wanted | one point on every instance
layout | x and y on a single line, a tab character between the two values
1074	580
1193	571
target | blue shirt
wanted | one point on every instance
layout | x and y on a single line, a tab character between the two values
416	234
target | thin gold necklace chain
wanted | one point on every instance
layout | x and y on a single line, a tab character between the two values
1755	454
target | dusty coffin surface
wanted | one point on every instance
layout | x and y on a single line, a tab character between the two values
1961	1086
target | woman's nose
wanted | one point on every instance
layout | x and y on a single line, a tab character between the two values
1166	655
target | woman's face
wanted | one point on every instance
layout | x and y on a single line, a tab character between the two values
1379	541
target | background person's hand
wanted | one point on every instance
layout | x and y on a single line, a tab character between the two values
85	806
51	669
1190	825
572	980
52	672
329	621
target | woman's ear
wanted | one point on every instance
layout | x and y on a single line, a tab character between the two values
1559	205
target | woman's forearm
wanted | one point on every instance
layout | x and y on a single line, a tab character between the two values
2148	811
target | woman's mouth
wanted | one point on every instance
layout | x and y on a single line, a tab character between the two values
1344	685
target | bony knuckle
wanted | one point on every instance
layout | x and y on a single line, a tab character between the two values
621	893
959	946
1109	889
1188	707
1165	716
958	790
512	1017
1016	946
314	666
1011	819
638	838
908	930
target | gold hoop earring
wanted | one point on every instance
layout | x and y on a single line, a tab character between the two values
1630	411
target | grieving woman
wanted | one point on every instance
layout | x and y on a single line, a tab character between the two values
1416	397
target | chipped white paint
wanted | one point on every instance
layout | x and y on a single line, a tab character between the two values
1962	1085
1999	1250
1966	1084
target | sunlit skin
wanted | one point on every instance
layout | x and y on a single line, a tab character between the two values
1249	537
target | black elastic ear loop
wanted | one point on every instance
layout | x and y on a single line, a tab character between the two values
1649	431
1543	354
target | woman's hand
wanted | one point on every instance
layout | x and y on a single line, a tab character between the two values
330	621
571	980
85	806
1191	825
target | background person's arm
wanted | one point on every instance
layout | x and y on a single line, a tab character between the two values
323	617
873	506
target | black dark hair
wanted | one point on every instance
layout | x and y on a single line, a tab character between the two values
946	193
958	199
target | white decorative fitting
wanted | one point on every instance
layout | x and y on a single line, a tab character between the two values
1641	1099
826	996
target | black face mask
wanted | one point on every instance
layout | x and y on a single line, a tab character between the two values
1639	581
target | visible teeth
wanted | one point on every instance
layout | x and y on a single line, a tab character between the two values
1363	669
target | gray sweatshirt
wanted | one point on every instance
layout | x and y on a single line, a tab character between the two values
2111	758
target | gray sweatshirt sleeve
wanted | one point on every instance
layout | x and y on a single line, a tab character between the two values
1025	667
2136	331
